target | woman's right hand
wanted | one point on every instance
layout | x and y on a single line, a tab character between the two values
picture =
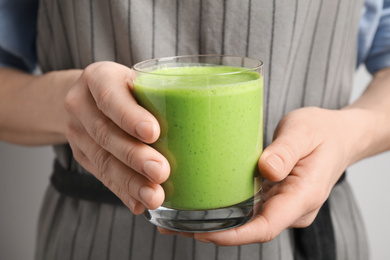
107	131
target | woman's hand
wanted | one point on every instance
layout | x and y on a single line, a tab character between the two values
107	131
95	112
311	149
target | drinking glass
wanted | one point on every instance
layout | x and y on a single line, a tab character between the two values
210	111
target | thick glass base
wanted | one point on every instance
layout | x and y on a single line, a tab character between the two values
205	220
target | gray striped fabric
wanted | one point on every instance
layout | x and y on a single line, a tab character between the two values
308	48
74	229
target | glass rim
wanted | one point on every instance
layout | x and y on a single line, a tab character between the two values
136	66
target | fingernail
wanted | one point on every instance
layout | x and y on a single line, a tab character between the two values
275	162
144	130
203	240
146	193
152	169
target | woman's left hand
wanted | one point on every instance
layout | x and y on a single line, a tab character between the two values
311	149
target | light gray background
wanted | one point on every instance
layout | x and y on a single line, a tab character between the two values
24	174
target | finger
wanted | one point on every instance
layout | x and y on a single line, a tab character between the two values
291	144
87	165
135	206
124	182
165	231
110	85
137	155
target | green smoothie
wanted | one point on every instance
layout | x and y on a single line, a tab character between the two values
211	132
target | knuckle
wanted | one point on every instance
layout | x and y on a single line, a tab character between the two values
123	120
102	160
314	201
70	129
128	184
322	196
304	221
71	102
83	159
121	193
131	153
93	75
101	131
78	155
104	99
301	224
73	131
91	70
106	180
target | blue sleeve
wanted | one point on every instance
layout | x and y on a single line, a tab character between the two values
18	20
374	35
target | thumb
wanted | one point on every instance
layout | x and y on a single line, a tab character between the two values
280	157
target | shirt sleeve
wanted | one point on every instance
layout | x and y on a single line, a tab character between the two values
18	20
374	35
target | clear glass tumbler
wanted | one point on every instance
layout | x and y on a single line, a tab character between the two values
210	110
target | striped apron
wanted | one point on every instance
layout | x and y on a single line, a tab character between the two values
309	51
